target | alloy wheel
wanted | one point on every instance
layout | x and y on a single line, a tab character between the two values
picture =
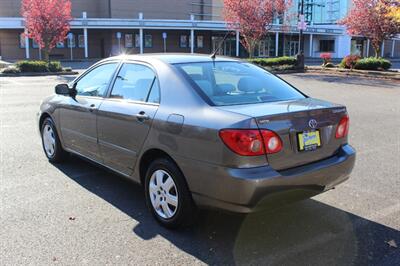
49	140
163	194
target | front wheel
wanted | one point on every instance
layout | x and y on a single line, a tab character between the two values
51	142
167	195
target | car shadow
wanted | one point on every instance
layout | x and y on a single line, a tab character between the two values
304	233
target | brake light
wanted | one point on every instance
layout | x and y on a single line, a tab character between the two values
273	143
243	142
343	127
249	142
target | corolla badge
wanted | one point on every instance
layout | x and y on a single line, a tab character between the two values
313	123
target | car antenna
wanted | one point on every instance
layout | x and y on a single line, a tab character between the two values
214	54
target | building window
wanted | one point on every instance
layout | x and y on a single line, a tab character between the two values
60	44
22	40
200	41
81	41
128	40
137	40
71	42
327	45
183	41
148	41
35	44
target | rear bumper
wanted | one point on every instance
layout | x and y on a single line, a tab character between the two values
252	189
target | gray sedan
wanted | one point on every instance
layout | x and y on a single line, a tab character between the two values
197	131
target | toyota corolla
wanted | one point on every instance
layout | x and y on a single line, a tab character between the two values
197	131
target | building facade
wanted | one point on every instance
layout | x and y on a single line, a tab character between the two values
103	28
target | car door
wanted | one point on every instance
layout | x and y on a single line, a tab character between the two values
125	116
78	114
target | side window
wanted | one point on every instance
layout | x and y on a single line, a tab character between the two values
154	96
95	82
134	82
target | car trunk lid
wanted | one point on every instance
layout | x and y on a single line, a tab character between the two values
291	118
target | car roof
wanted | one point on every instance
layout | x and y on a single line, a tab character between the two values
174	58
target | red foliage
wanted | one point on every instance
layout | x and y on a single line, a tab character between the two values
351	61
46	21
327	57
253	18
370	18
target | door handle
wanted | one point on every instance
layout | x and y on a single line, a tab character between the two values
142	116
92	107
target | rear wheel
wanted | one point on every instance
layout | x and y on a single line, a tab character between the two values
167	195
51	142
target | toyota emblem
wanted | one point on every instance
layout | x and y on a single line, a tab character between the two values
313	123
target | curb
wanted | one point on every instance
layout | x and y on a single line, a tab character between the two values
279	72
357	73
34	74
367	74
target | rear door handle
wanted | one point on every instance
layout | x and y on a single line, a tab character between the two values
142	116
92	107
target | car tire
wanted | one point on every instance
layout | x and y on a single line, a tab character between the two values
51	142
162	196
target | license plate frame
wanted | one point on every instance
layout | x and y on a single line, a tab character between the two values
308	140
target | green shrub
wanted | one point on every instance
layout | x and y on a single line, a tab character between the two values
11	70
39	66
32	66
283	67
349	61
373	63
55	66
278	61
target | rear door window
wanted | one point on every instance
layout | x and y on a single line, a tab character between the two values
136	82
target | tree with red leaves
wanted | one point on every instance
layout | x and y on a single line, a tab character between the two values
46	22
253	18
371	19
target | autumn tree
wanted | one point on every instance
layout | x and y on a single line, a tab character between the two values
371	19
253	18
395	12
46	22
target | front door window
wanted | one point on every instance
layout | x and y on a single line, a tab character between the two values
95	82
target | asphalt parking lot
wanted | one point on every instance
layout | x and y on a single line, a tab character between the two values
76	213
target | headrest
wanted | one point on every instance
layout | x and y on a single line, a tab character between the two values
249	84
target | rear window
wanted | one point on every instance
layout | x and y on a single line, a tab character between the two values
232	83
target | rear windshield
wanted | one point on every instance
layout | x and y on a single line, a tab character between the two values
231	83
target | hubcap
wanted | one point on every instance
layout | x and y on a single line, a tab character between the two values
163	194
49	140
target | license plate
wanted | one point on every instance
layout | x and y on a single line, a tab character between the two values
309	140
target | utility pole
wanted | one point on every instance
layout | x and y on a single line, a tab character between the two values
300	55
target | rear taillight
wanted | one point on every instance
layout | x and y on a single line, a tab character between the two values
273	143
251	142
343	127
243	142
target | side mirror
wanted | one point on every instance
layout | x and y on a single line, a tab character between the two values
64	89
